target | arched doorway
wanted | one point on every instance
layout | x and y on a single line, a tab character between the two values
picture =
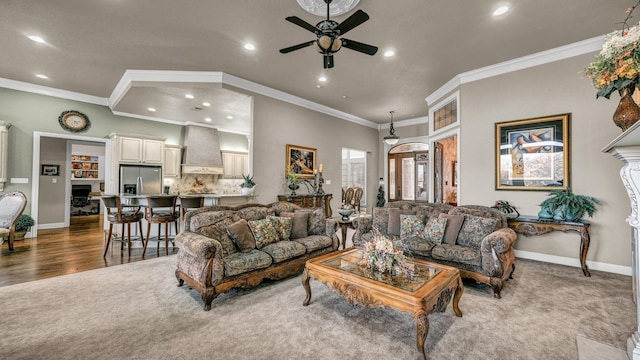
407	166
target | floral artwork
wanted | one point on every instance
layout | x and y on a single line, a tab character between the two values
301	161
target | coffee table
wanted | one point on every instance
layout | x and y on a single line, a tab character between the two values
430	289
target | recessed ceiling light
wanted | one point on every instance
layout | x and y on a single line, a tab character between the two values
249	46
207	104
36	38
318	86
207	119
42	76
389	53
229	117
189	96
500	11
151	109
322	78
345	97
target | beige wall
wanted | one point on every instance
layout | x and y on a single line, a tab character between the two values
549	89
52	151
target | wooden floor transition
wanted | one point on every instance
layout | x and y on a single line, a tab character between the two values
63	251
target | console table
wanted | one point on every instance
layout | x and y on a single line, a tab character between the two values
532	225
310	201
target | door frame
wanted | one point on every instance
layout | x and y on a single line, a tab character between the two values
35	172
385	161
432	140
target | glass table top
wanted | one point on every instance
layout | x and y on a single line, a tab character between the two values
348	262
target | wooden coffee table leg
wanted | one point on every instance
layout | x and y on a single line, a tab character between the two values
457	296
422	328
307	288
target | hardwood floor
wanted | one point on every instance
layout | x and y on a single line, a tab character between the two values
63	251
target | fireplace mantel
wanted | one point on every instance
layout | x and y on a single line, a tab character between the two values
626	147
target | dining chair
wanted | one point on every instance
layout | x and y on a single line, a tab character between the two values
161	210
190	203
11	207
357	198
123	215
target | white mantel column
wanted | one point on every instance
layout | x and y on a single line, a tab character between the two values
630	175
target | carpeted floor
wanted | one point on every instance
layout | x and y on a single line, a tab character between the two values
135	311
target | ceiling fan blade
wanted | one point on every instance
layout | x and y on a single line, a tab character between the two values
303	24
352	21
296	47
328	61
358	46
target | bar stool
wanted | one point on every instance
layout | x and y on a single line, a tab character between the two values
160	210
117	215
190	203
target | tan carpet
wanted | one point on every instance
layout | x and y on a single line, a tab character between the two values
135	311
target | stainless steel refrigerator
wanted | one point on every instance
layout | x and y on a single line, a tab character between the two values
140	180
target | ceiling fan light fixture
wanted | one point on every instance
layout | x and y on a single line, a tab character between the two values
326	44
392	138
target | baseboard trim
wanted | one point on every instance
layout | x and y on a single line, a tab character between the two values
561	260
51	226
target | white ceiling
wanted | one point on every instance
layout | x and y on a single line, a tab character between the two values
91	43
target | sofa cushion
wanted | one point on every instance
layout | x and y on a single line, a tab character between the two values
474	229
283	225
264	232
242	262
211	217
284	206
317	223
241	235
284	250
218	231
315	242
457	253
434	229
393	227
428	211
299	224
255	213
381	219
411	225
417	246
454	223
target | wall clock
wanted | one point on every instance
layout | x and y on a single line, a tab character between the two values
74	121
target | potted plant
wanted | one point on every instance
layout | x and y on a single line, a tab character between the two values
292	181
23	225
247	187
565	205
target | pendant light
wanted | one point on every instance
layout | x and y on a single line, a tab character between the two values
392	138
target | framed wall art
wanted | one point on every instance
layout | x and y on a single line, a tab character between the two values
301	160
533	154
50	170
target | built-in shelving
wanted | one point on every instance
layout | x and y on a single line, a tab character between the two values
85	167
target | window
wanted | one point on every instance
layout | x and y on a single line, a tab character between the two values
354	171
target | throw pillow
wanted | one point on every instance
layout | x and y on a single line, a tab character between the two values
411	225
241	235
317	223
474	229
218	231
381	219
394	220
283	225
454	223
264	232
434	229
299	223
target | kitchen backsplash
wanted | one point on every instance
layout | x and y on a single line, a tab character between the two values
202	183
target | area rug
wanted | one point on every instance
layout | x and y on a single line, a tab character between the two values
136	311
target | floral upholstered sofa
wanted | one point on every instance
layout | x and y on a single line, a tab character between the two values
473	238
226	247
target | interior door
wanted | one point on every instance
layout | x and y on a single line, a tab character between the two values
402	176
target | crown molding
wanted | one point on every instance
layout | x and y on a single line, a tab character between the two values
408	122
540	58
49	91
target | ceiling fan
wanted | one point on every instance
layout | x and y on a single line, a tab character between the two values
328	33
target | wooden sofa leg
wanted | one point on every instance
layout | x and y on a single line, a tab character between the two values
207	296
497	284
513	268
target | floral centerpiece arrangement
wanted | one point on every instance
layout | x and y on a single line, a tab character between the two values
380	255
617	67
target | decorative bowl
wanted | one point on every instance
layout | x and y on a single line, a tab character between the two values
345	213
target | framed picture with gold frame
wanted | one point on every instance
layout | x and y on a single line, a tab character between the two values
301	160
533	154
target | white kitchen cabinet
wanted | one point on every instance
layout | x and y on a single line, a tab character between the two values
4	149
139	150
235	164
172	160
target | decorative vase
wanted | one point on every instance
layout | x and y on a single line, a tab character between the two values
544	213
247	191
559	214
627	112
293	188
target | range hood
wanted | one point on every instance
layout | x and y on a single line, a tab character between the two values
201	151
